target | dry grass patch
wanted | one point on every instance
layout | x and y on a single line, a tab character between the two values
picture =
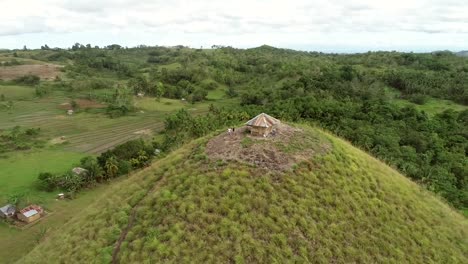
44	71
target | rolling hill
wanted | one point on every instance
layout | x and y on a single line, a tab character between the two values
463	53
300	196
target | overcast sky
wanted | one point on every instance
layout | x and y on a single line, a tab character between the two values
330	26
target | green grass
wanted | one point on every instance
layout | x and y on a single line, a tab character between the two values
18	175
433	105
16	243
15	92
163	105
216	94
343	206
19	171
171	66
247	142
86	133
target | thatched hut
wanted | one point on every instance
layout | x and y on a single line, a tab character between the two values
262	125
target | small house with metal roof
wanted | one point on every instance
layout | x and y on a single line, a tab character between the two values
7	211
30	213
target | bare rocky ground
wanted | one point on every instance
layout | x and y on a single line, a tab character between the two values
278	152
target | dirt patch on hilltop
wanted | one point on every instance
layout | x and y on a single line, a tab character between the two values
44	71
288	146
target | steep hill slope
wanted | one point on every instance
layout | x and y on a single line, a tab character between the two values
336	204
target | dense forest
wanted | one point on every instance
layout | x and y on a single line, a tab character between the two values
356	96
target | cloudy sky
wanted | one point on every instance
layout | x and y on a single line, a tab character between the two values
330	26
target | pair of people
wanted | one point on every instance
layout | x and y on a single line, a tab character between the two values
230	130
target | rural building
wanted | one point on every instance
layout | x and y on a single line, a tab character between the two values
30	213
262	125
70	112
7	211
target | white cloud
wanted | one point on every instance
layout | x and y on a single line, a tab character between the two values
290	23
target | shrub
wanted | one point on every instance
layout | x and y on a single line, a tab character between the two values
28	79
42	90
419	99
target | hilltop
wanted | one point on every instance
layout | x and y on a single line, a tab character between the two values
330	202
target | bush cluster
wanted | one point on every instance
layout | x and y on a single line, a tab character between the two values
18	138
28	80
113	163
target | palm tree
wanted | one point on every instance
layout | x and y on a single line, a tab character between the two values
111	167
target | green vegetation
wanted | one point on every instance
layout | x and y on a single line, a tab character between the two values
28	80
13	92
434	106
118	161
342	206
16	243
408	110
19	139
64	140
19	172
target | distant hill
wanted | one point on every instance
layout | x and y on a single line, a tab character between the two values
463	53
223	199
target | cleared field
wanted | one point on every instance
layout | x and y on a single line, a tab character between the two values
433	106
90	132
104	138
19	171
15	92
44	71
163	105
216	94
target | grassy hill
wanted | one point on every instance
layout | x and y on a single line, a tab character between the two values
335	204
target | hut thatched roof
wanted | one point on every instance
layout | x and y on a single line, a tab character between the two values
262	120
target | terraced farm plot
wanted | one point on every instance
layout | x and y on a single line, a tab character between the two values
107	136
90	132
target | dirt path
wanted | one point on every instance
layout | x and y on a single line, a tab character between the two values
131	221
123	235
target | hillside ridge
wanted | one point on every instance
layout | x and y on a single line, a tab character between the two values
342	205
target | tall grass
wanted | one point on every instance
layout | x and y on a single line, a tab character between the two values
343	206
